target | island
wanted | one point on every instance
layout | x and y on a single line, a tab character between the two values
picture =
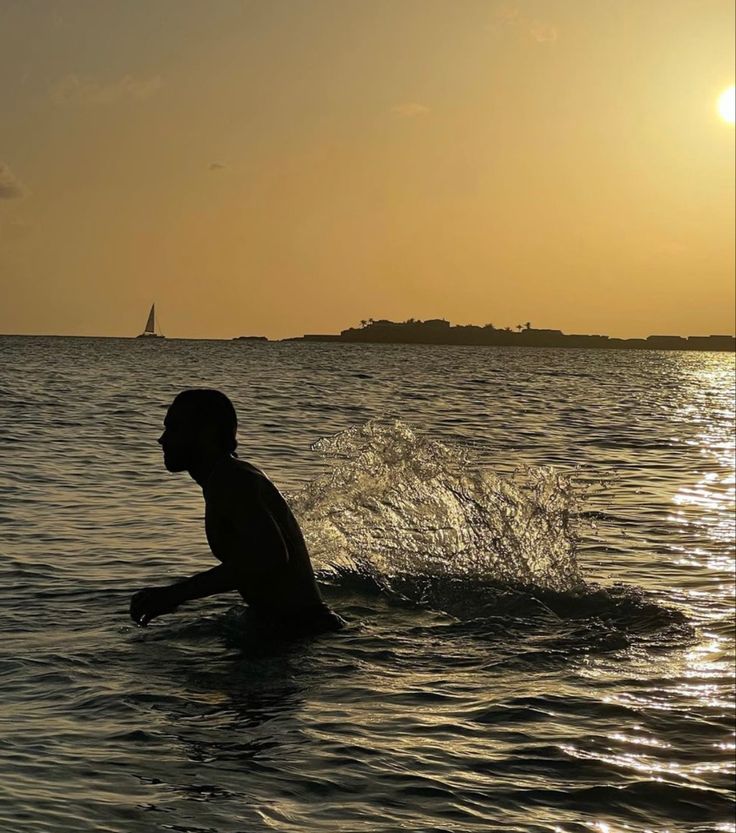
440	331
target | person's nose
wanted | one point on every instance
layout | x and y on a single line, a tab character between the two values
160	440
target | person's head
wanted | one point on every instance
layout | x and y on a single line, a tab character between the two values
200	423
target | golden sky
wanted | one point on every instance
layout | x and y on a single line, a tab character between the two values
283	167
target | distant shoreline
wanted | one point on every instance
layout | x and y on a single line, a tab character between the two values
439	331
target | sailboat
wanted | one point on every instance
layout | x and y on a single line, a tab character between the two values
150	330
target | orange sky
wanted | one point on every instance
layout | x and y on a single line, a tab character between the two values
292	166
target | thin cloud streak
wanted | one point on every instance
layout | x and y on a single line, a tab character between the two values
410	110
540	31
76	89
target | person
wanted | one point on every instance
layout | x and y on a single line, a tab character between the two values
249	525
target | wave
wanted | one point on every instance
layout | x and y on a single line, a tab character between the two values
423	522
396	503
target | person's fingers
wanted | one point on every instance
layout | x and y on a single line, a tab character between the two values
139	602
142	618
147	604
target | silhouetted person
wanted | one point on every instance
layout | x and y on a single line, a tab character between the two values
250	527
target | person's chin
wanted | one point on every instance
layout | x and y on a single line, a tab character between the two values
173	465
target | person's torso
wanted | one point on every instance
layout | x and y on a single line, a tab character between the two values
282	585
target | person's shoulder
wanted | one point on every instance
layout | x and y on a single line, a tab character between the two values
235	480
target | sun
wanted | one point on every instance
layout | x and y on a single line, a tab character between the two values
727	105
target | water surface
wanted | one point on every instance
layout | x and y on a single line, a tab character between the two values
535	550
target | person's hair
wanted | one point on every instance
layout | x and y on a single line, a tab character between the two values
210	407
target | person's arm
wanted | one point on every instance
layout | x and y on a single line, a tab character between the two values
151	602
249	544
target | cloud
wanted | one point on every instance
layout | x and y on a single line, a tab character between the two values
540	31
410	110
76	89
217	166
543	32
10	187
508	14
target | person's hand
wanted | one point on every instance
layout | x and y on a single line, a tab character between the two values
151	602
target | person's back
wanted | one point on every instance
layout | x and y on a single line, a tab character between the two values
249	525
278	580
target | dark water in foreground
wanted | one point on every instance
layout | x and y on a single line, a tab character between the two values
530	649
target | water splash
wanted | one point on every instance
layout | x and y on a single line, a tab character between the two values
395	503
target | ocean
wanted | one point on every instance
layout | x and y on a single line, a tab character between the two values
534	549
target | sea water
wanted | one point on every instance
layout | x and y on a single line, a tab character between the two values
534	549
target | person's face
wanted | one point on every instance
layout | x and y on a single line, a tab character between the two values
178	441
